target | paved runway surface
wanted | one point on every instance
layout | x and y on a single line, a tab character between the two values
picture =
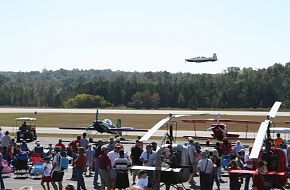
116	111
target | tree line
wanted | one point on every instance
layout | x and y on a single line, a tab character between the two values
233	88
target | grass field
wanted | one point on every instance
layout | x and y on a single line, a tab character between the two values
131	120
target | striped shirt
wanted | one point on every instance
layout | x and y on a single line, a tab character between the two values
121	164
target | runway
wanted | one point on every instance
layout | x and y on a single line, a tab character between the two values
129	111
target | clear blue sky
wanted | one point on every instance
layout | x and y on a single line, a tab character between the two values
143	35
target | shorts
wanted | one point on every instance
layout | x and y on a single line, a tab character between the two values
46	179
57	176
113	174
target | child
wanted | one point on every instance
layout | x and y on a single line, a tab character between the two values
142	182
46	167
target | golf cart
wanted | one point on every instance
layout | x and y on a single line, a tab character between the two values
26	130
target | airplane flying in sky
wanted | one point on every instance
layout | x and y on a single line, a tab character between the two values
202	59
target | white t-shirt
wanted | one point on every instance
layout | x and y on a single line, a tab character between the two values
142	182
46	167
1	135
56	160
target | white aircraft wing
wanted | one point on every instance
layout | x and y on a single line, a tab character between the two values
280	130
274	109
154	129
259	140
177	170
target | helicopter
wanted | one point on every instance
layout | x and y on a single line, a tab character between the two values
171	163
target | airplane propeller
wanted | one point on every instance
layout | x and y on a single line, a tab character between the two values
262	131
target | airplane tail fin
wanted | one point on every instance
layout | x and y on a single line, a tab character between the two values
97	115
119	125
214	56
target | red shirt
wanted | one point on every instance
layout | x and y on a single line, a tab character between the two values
258	181
60	145
104	161
74	145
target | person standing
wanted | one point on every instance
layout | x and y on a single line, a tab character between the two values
205	167
80	165
121	165
90	157
46	168
258	178
98	151
234	177
105	169
6	140
1	168
192	152
56	172
148	159
136	152
1	135
84	141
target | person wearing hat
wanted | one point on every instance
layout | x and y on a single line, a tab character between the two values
142	181
46	168
105	169
205	167
238	146
38	149
112	156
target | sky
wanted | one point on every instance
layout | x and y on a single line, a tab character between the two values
151	35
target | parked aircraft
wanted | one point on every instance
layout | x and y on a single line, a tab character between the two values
105	126
219	128
202	59
273	156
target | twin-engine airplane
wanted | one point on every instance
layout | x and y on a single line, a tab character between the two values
220	129
202	59
106	126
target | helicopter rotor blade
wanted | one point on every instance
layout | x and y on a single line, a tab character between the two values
154	129
259	140
274	109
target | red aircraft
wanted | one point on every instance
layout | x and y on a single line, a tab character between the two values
273	156
219	128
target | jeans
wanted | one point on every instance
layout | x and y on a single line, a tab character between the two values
96	177
247	181
1	178
80	177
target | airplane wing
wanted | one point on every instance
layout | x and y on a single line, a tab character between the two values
128	129
220	120
154	129
77	128
259	140
280	130
164	169
252	172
